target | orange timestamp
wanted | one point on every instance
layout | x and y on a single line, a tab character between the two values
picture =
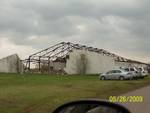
124	99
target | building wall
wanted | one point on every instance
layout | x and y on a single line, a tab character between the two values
11	64
95	63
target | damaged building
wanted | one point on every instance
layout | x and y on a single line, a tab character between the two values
11	64
66	57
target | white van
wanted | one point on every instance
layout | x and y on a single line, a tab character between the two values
143	72
136	74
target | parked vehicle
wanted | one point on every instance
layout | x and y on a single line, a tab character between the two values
135	72
117	74
143	72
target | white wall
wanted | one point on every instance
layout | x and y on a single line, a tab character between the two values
96	63
11	64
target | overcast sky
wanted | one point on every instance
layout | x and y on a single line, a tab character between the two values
119	26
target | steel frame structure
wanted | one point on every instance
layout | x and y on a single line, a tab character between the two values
61	50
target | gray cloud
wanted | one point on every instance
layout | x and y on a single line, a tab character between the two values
119	26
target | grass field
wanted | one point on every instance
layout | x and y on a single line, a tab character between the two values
43	93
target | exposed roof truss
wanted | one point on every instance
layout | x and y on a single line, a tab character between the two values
61	50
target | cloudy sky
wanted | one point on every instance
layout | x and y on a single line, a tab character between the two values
119	26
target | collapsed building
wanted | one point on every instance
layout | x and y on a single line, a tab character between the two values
11	64
66	57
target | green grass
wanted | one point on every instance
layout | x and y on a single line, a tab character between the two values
43	93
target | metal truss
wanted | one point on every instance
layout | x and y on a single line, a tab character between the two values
61	50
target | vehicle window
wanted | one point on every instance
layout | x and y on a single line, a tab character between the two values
118	71
131	69
140	69
109	72
114	71
126	69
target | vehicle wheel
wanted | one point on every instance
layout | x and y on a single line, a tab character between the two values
121	78
102	78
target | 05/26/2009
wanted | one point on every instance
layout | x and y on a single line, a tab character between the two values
125	99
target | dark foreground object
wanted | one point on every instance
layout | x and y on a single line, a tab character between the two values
91	106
